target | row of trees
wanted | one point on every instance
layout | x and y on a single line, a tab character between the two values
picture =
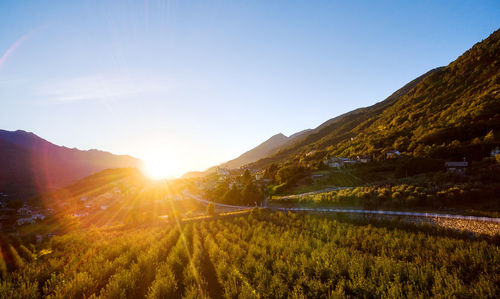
263	255
466	195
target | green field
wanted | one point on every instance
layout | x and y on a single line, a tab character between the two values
261	255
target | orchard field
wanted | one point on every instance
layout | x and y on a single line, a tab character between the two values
259	255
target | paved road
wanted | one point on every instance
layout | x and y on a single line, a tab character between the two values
375	212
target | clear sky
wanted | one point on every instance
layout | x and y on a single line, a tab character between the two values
200	82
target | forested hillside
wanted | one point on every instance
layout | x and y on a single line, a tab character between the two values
448	113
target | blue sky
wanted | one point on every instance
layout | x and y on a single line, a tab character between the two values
200	82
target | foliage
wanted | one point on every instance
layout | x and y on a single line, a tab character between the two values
448	113
262	255
211	208
465	195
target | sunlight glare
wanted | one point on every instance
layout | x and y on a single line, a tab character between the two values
162	166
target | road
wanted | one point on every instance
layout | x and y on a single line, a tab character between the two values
395	213
351	211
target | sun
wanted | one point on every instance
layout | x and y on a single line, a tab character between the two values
161	166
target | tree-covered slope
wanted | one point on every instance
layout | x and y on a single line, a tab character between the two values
449	112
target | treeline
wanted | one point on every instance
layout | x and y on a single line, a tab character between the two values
466	195
239	190
263	255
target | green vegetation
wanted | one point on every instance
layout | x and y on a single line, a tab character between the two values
470	198
241	190
261	255
211	209
447	114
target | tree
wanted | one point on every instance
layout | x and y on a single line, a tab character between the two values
246	177
490	137
270	172
252	194
232	196
211	208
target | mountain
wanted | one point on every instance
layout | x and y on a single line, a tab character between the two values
30	164
298	134
449	113
264	149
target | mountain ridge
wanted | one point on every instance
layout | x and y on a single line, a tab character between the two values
30	164
418	117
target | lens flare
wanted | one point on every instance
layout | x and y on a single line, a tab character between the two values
162	166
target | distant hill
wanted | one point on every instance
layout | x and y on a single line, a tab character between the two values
30	164
264	149
449	113
193	174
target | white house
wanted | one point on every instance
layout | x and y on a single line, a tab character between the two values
393	154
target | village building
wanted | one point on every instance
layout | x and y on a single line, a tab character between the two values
22	221
494	152
311	153
24	211
38	216
456	167
364	159
392	154
334	162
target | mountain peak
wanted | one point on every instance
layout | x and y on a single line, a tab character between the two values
278	136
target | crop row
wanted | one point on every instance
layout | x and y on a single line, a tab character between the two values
263	255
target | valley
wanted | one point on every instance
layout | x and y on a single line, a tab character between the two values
397	198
